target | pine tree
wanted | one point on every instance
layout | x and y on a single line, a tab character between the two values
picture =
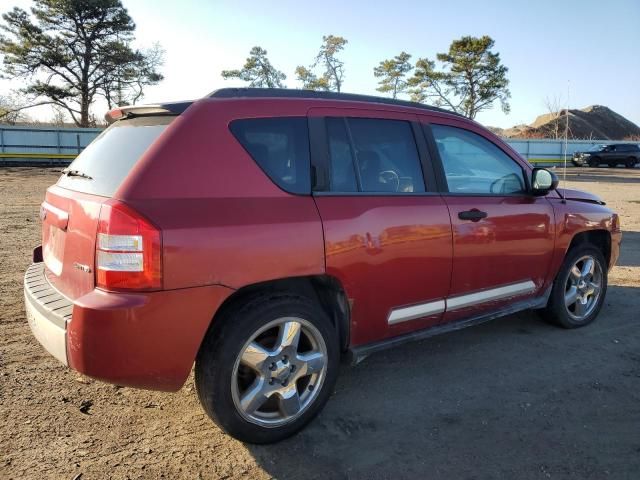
393	73
258	71
333	75
472	79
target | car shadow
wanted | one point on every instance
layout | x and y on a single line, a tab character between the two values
514	398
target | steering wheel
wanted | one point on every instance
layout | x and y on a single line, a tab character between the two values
389	177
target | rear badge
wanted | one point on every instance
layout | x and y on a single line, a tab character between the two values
84	268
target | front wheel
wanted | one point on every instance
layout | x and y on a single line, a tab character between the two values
579	289
268	367
594	162
630	163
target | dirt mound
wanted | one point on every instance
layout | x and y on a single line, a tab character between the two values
595	121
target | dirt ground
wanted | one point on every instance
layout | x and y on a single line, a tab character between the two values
515	398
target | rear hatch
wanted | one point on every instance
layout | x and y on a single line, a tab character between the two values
71	209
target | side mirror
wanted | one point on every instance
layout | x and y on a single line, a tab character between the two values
543	181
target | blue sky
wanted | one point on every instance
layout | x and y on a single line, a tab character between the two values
593	45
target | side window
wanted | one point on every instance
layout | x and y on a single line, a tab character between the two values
280	146
474	165
373	155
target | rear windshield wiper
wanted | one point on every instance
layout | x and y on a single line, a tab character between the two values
76	173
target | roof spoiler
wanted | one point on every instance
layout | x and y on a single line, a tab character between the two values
129	111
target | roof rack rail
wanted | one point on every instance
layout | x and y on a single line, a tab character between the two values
293	93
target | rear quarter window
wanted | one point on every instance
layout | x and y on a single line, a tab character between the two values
112	155
280	146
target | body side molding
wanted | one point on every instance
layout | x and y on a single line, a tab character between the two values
404	314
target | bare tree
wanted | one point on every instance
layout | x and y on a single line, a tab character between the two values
553	106
11	110
59	117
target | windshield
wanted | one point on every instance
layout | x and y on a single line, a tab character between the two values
104	164
597	148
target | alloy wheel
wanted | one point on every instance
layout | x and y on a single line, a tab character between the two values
279	372
583	287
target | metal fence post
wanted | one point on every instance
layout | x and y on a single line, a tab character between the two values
58	141
2	139
78	142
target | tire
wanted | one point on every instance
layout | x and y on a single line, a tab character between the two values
260	331
630	163
574	315
594	162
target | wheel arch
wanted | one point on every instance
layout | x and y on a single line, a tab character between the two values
326	290
600	238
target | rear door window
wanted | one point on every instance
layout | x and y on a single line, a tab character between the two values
280	146
373	155
111	156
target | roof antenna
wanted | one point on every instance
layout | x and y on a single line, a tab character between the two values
566	136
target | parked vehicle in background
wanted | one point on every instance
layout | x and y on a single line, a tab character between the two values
627	154
263	233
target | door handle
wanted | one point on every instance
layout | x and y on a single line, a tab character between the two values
474	215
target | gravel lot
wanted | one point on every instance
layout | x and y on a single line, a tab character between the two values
515	398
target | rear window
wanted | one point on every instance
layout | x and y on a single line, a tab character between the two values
112	155
280	146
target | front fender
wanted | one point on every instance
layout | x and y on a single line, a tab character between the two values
573	218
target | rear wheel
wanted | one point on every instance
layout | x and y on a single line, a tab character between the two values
630	163
579	289
268	368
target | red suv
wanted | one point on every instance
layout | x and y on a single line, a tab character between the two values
264	233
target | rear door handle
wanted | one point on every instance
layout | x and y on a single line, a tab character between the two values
474	215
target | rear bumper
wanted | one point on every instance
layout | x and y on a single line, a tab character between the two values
47	312
144	340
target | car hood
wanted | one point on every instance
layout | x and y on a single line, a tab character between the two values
580	196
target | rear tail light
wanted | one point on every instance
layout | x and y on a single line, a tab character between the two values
128	250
